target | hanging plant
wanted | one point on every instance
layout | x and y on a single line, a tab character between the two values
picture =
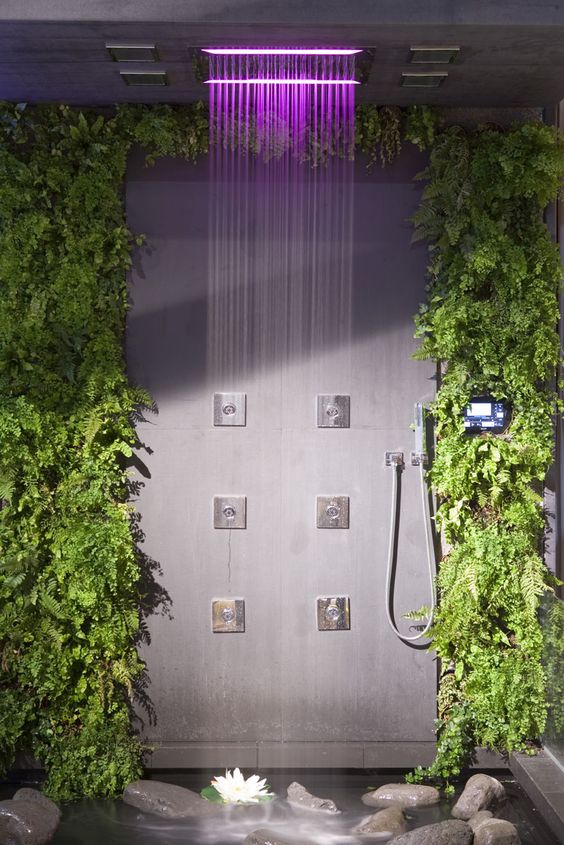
379	130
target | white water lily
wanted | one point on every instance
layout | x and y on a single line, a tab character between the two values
234	789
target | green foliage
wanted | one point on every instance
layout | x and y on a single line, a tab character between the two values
69	570
379	130
490	322
178	131
210	793
553	661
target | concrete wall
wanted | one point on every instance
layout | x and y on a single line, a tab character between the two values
432	12
282	693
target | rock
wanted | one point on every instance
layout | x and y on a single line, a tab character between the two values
300	797
478	818
26	823
167	799
35	796
444	833
480	791
390	821
402	794
496	832
271	837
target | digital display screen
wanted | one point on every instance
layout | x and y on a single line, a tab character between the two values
480	409
483	413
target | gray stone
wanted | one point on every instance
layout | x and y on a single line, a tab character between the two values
479	818
402	794
444	833
271	837
390	822
167	799
26	823
300	797
37	797
479	793
496	832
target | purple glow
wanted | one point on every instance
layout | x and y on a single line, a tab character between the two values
292	106
267	81
266	51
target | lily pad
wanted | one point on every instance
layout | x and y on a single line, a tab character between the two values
210	793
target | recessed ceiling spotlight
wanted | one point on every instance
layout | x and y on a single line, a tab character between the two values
433	55
133	52
144	77
423	80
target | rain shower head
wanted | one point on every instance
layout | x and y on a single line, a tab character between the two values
283	66
277	51
256	65
268	81
277	100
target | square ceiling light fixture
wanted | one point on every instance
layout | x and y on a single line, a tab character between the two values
144	77
133	52
428	79
433	55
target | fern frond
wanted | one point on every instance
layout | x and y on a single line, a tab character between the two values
7	485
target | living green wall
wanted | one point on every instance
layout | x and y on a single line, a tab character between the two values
74	587
490	321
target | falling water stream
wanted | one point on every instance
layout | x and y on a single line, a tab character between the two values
281	182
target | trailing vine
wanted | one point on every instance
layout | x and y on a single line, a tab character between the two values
490	321
379	130
71	584
378	133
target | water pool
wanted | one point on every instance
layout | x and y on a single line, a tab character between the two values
92	822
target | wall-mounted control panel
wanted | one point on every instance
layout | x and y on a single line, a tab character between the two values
230	409
332	511
333	411
229	511
333	613
485	414
228	616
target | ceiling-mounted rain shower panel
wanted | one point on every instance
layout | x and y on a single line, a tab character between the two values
282	66
273	101
277	51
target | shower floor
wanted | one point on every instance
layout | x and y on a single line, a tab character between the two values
90	822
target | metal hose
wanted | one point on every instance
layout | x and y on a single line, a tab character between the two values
397	467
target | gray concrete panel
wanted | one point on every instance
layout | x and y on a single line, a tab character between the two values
384	755
245	11
297	691
311	755
511	53
204	755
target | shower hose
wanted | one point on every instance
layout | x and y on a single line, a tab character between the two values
394	524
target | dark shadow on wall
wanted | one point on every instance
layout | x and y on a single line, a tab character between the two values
226	284
155	599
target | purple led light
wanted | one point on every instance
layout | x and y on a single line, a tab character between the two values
267	51
267	81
